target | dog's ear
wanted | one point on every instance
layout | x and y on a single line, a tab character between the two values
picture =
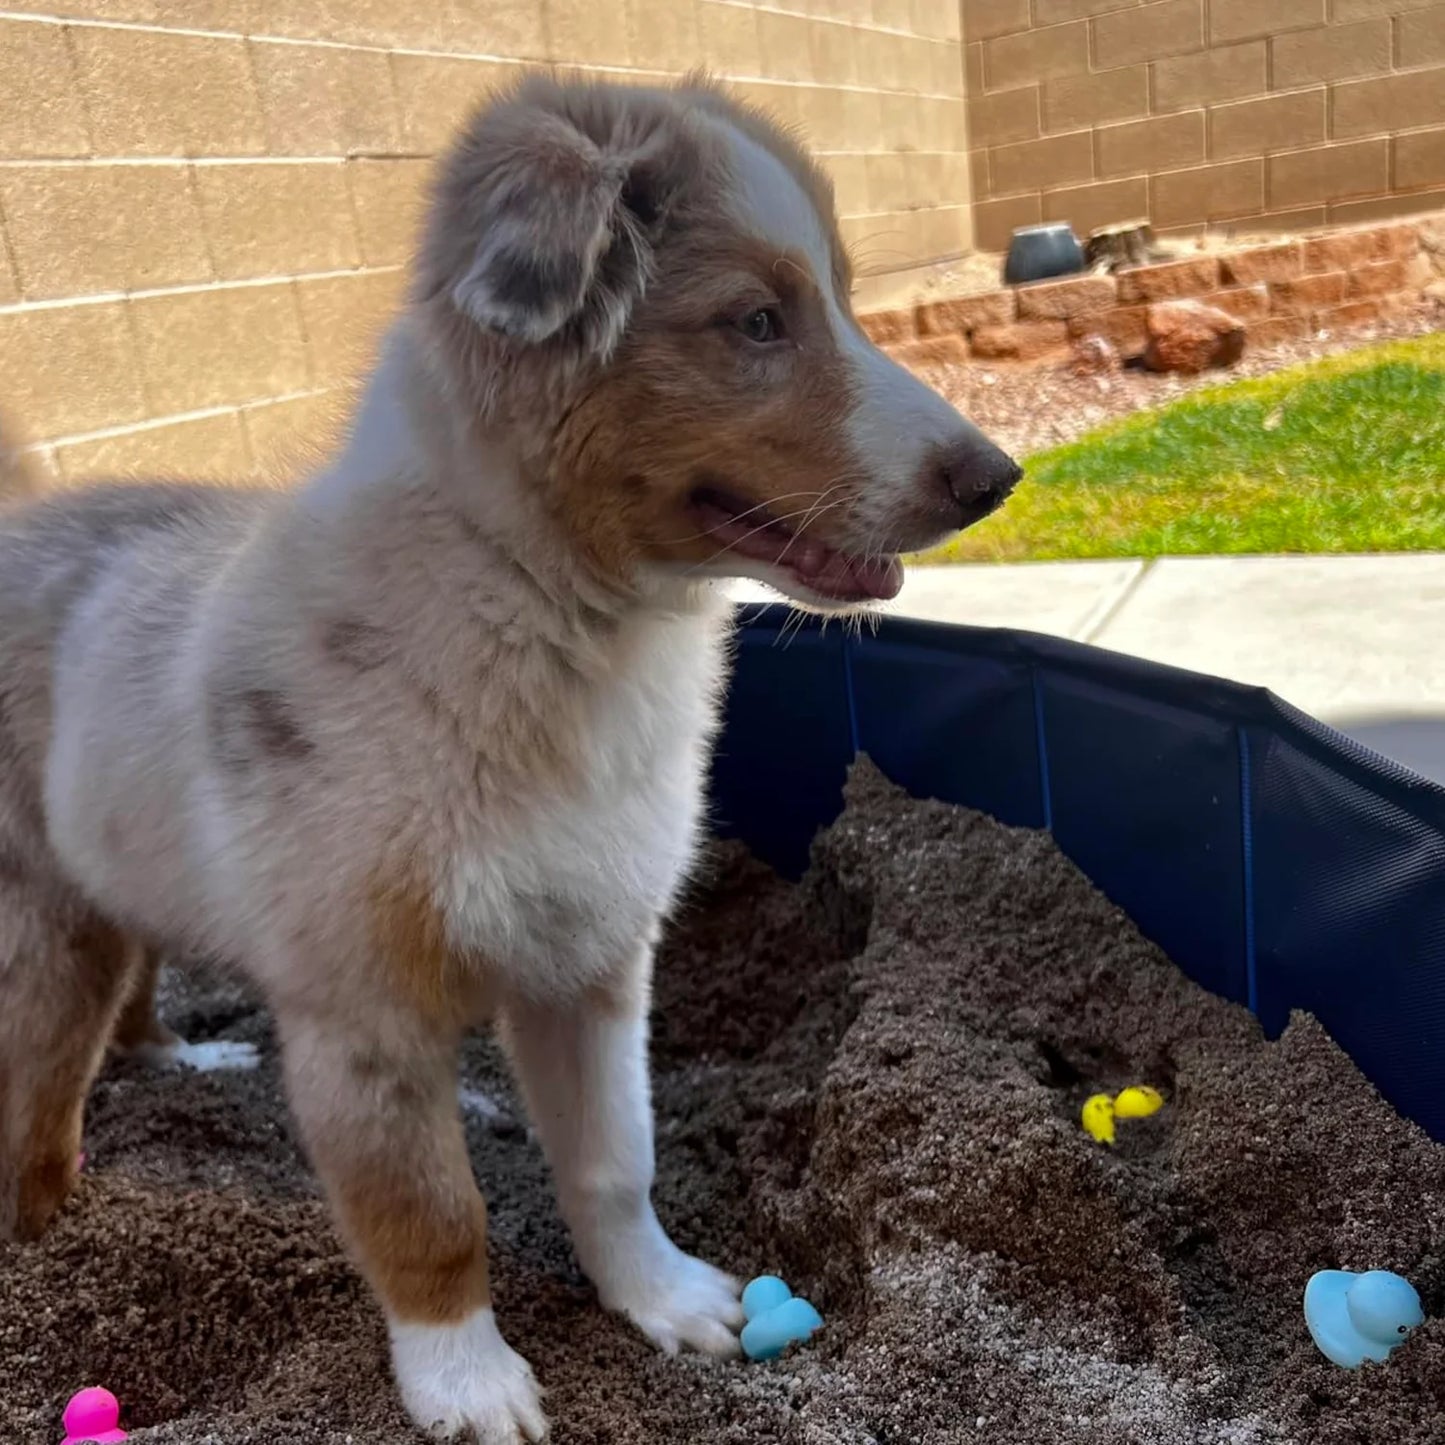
563	227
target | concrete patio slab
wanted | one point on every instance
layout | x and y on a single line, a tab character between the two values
1336	636
1359	642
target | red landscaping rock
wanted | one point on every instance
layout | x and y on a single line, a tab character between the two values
1190	336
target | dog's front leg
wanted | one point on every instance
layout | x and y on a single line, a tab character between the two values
376	1098
582	1066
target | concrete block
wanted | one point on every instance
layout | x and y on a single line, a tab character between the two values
277	218
1149	32
78	230
198	449
1073	102
1139	147
161	93
288	438
1419	159
1004	115
219	347
1305	294
1066	298
1042	164
322	100
1279	261
1420	37
1245	19
985	18
1332	52
1035	55
43	114
994	222
388	197
1021	341
1328	173
436	93
1101	203
1170	281
962	314
69	368
1407	101
1226	72
344	317
1207	193
1270	123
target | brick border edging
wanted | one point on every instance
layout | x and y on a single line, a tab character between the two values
1280	290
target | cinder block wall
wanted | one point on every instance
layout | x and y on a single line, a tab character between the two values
1288	113
205	205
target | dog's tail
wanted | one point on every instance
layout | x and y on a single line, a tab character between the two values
18	480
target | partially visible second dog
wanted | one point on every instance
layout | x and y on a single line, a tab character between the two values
422	742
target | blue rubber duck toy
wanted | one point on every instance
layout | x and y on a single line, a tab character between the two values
776	1318
1358	1317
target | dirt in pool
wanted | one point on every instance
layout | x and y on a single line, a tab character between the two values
868	1083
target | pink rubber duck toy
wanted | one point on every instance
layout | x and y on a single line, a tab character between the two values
92	1415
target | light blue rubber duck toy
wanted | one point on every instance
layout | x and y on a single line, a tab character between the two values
776	1318
1358	1317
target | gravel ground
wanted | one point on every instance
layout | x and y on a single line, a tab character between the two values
1030	408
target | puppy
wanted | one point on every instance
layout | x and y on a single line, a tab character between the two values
421	743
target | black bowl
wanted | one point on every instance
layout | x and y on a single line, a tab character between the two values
1038	252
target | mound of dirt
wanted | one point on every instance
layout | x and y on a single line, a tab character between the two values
868	1083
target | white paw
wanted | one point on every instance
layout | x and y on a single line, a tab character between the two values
205	1058
675	1300
465	1377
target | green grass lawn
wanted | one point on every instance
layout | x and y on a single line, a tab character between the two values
1341	455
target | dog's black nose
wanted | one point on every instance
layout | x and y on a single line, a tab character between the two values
978	476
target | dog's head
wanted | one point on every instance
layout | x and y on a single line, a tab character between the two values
646	288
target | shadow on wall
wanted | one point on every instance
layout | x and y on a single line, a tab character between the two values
1416	740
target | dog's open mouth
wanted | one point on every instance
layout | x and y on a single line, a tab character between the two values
746	529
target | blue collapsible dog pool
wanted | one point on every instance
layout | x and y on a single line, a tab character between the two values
1277	862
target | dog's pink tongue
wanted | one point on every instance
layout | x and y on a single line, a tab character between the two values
835	574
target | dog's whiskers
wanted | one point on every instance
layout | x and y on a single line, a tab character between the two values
738	541
816	511
759	507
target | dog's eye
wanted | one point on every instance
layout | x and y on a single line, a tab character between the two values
762	325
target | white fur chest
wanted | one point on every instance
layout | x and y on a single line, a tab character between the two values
576	884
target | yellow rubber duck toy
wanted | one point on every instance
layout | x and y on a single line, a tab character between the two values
1100	1110
1137	1102
1098	1117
